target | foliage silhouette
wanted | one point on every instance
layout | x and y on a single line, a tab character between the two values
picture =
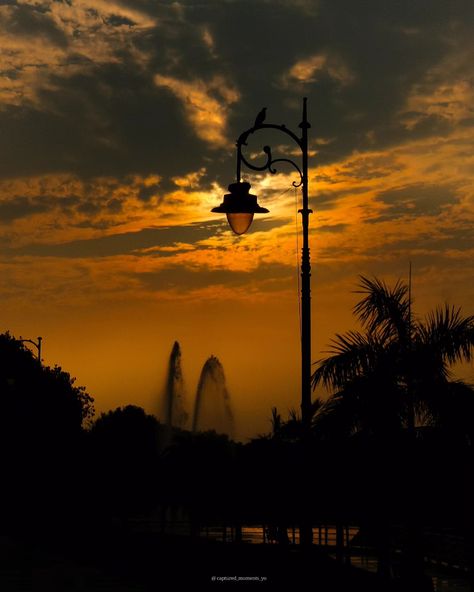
41	418
389	384
398	373
125	446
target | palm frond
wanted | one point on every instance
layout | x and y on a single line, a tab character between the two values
293	415
424	415
352	355
448	333
366	404
275	421
316	406
398	372
452	406
384	310
337	417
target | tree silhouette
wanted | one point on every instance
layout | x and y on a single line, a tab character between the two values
388	383
41	417
125	445
33	393
398	373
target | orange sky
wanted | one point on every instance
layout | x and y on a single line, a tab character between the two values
119	123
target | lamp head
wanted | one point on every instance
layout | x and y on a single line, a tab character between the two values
239	206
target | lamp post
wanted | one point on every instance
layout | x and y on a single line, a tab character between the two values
36	344
240	206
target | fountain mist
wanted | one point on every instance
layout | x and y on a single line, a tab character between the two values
212	408
174	397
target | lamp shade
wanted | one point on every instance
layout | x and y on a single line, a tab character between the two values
240	207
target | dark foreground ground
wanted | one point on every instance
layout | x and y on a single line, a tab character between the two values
148	563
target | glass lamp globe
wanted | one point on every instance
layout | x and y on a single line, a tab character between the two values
240	221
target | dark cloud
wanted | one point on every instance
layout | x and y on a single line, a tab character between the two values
22	206
135	242
415	200
118	20
125	243
114	206
146	192
34	21
328	200
274	275
332	228
113	123
426	252
90	208
111	119
458	239
373	40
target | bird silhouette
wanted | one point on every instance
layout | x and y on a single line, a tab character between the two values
260	117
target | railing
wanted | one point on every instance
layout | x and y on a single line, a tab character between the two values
446	558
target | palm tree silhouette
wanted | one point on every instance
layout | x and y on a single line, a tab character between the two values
397	374
389	381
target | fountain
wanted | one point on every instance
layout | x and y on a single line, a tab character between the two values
174	397
212	407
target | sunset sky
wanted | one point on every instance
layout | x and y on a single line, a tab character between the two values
118	121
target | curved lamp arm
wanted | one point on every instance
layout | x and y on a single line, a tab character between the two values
270	161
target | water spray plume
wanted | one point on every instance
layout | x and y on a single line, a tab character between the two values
175	399
212	409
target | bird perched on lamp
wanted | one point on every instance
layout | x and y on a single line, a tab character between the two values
260	117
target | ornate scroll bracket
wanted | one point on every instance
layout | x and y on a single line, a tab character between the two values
270	162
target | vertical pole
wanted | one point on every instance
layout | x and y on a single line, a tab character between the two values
412	560
305	285
40	339
411	405
306	531
239	161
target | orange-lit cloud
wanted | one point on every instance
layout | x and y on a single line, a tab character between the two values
60	38
307	70
370	206
205	104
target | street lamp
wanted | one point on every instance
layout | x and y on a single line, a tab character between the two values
240	207
36	344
